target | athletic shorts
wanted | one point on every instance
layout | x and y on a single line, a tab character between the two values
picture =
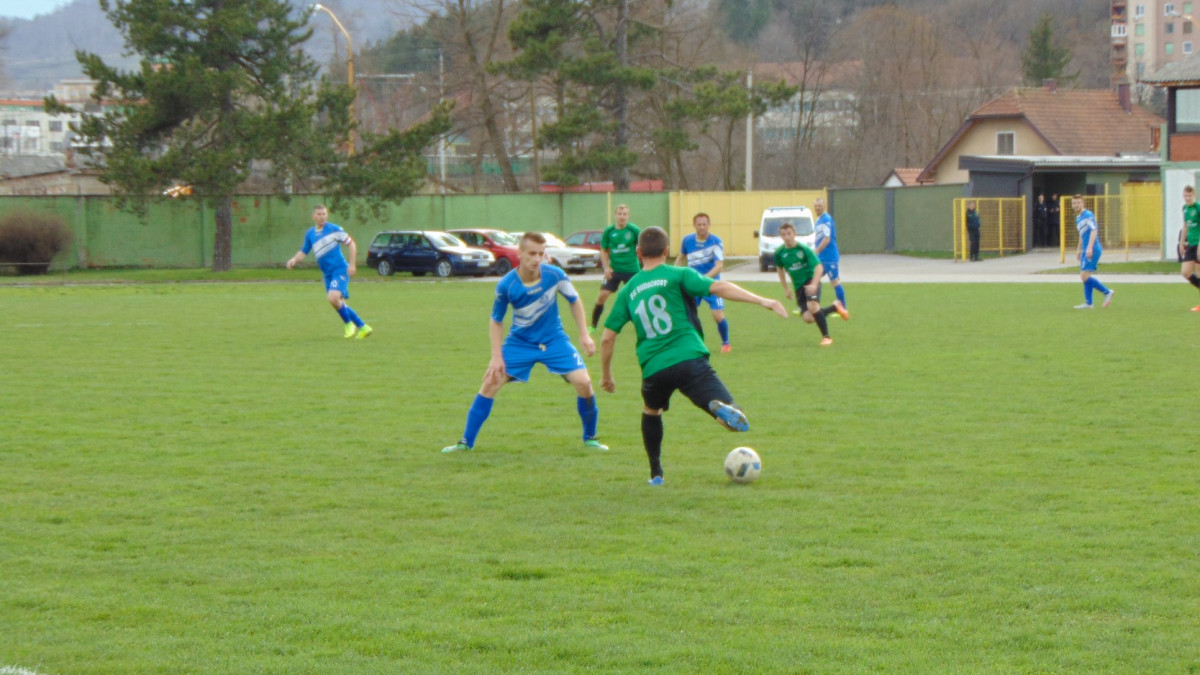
560	357
831	270
715	302
339	282
695	378
1190	254
802	299
615	282
1087	264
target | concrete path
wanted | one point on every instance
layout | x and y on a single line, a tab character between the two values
1028	268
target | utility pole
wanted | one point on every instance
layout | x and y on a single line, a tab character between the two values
750	134
442	138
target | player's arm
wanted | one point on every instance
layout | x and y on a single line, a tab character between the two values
605	263
300	255
731	291
585	338
821	247
783	281
352	263
681	260
608	343
495	369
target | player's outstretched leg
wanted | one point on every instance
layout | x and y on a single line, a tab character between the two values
481	408
589	414
730	417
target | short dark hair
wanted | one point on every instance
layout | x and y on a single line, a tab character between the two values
1188	188
701	215
318	206
1076	196
653	242
787	226
535	237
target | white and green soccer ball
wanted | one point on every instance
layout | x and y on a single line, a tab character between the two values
742	465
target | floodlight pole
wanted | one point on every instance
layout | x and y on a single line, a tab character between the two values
349	66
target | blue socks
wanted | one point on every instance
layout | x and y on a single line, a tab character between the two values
1091	284
348	315
481	407
723	329
589	413
841	295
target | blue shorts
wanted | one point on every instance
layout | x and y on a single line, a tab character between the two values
339	282
1087	264
831	270
560	357
715	302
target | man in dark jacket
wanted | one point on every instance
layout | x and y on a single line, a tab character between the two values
973	230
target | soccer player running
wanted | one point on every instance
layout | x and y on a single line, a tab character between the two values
705	253
660	302
537	336
618	258
827	248
1189	238
1088	253
325	239
801	264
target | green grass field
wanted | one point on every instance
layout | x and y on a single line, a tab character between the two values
206	478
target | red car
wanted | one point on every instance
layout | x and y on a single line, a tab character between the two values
586	239
503	245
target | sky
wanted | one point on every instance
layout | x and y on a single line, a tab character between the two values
26	9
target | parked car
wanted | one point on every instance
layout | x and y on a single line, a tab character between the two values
420	252
505	246
586	239
768	232
570	258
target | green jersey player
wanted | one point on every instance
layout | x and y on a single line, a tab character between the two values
660	302
801	264
1189	238
618	258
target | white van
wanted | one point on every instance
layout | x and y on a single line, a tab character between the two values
768	231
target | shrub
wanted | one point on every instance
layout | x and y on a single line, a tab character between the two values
29	241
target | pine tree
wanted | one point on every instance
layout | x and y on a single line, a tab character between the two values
1043	59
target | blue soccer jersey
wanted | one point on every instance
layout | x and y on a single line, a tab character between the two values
535	307
1085	224
825	229
326	243
702	256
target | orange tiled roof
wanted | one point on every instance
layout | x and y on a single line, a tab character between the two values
1076	121
907	176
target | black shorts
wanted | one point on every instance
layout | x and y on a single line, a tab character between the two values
802	300
1190	254
617	279
694	377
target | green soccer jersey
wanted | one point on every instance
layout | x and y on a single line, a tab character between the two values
800	262
660	303
1191	220
621	245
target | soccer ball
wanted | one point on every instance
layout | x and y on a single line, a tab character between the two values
742	465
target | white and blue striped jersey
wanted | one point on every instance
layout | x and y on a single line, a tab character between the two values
825	229
702	256
327	245
1085	224
535	307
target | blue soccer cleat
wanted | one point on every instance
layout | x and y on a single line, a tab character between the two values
657	481
730	417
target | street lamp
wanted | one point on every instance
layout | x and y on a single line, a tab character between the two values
349	66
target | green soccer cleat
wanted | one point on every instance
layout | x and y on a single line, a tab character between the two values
350	330
457	447
593	444
364	332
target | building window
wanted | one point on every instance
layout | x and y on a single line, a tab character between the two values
1187	110
1139	11
9	123
1139	49
1187	48
1169	9
1187	27
1169	28
1006	142
1169	49
1118	30
55	125
1140	30
1187	8
56	146
33	123
1141	70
